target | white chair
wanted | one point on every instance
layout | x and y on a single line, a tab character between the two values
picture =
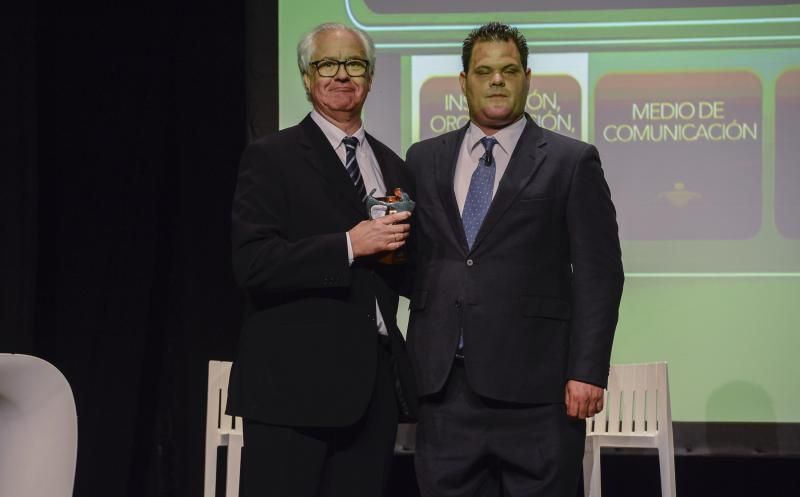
38	429
221	430
636	414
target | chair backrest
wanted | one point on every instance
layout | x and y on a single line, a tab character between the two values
38	429
217	422
221	430
636	401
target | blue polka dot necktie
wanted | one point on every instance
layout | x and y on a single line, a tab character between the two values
350	144
479	195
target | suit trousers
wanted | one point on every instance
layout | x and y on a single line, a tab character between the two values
471	446
351	461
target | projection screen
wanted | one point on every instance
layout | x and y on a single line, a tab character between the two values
695	108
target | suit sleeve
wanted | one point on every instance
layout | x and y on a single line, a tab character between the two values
597	271
411	248
263	255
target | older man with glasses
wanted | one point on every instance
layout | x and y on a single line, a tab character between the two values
321	376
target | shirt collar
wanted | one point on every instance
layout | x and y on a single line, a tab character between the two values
507	137
333	133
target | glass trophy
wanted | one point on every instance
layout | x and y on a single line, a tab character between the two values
398	201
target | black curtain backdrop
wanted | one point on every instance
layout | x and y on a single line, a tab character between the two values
18	180
122	131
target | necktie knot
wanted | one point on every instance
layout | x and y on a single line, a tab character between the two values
350	142
488	143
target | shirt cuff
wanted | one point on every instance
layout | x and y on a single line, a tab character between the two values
350	257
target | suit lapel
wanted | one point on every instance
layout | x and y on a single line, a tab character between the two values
445	173
390	179
318	153
528	155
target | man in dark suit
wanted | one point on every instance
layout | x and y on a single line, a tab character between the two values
516	292
321	366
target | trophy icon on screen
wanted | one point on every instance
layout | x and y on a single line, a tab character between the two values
398	201
679	196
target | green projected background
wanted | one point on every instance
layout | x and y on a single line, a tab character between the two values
695	107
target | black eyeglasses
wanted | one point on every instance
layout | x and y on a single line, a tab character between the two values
327	68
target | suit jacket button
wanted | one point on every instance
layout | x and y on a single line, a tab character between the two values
470	262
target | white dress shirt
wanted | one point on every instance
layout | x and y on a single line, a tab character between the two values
370	173
471	151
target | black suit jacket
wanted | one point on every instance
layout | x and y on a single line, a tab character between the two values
537	296
307	349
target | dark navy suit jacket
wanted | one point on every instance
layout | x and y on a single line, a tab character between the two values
307	349
537	296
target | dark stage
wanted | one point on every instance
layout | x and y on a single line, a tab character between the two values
122	130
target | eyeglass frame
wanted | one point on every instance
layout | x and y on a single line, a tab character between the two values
341	63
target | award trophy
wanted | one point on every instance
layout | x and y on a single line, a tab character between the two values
381	206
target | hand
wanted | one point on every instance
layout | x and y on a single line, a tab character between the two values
583	400
380	235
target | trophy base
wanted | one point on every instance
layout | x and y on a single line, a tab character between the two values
396	257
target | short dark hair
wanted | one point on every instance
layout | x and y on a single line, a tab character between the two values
494	31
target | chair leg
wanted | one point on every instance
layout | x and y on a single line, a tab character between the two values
210	483
588	464
234	465
593	480
666	464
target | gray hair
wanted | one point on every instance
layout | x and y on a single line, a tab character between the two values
306	45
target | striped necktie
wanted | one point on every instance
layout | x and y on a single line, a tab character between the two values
350	144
